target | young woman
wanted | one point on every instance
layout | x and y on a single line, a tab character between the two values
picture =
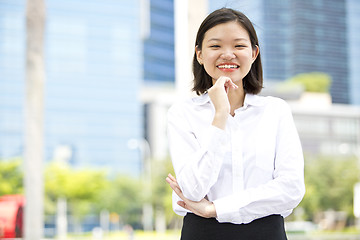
237	156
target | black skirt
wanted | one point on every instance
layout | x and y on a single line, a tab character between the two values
199	228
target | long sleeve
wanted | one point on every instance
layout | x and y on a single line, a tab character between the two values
196	159
279	195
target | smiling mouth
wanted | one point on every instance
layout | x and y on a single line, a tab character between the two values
228	66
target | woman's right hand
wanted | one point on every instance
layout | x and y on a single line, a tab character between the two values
218	95
203	208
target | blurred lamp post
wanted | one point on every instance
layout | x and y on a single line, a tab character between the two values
144	148
62	154
61	219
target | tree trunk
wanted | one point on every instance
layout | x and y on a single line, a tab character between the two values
34	111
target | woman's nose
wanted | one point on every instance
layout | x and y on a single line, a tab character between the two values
228	55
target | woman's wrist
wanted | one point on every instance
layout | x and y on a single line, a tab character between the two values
211	210
220	119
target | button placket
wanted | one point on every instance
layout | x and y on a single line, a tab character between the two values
237	159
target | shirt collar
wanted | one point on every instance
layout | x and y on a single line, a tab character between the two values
202	99
250	100
253	100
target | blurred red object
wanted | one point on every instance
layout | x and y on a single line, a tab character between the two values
11	216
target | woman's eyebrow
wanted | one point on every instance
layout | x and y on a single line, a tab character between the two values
236	39
241	39
214	39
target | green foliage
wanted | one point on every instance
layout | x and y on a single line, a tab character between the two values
329	185
11	177
86	190
161	191
313	81
75	184
122	195
79	187
91	191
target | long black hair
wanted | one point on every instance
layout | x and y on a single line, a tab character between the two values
253	81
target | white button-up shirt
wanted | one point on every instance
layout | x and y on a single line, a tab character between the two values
252	169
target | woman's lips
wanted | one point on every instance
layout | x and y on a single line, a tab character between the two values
228	67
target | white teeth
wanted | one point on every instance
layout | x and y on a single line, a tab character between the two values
228	66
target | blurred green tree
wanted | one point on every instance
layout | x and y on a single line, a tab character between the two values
312	81
126	195
329	185
162	192
122	195
79	187
11	177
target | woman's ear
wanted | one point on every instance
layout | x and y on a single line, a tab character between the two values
255	53
198	55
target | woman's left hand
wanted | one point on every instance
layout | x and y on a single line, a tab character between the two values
203	208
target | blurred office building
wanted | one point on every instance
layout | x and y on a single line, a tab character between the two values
113	69
313	36
330	130
295	37
93	61
299	36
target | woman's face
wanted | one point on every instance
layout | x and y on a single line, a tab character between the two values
226	51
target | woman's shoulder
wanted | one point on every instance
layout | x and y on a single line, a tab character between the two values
189	103
266	100
276	103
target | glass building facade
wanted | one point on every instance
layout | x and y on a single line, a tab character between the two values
307	36
97	59
319	43
12	77
94	61
159	57
353	19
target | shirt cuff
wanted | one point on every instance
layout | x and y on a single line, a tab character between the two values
225	210
228	208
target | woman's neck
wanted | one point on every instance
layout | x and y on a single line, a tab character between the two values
236	99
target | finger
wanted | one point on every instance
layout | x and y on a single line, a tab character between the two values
178	192
233	85
182	204
230	84
222	80
226	88
168	180
171	177
174	186
171	181
189	207
177	189
186	206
